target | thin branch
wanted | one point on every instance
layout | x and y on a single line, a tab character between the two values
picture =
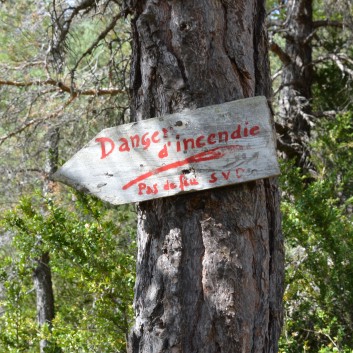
276	9
36	170
282	55
339	60
275	23
327	23
345	57
324	334
310	37
24	66
327	113
32	122
99	38
64	88
278	73
86	4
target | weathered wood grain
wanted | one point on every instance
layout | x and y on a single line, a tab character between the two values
195	150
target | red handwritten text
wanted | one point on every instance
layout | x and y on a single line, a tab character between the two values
149	190
213	154
146	140
238	173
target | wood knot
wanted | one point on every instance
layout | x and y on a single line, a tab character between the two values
184	26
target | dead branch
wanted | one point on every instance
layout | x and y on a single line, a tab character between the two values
276	75
32	122
282	55
64	88
327	113
276	9
101	36
65	26
327	23
339	59
23	66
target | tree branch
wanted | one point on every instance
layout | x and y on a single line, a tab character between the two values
27	170
327	23
327	113
64	88
282	55
277	74
65	27
98	39
32	122
339	60
23	66
275	9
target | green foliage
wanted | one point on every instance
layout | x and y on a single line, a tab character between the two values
91	246
332	89
22	32
92	261
18	331
317	208
318	227
37	97
333	154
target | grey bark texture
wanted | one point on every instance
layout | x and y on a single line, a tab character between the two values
210	264
44	295
297	77
42	273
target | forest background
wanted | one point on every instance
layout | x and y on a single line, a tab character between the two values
64	76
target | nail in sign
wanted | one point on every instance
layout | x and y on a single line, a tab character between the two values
195	150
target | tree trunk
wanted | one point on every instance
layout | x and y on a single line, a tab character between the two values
210	264
44	295
42	273
297	77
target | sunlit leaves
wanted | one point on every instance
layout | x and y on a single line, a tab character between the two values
93	262
318	226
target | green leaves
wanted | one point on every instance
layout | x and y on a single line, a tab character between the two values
316	204
93	262
318	228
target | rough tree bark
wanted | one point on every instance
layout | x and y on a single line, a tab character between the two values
297	77
210	264
42	273
44	295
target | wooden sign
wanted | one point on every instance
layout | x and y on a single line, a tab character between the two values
194	150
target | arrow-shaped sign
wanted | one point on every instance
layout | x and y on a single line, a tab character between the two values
195	150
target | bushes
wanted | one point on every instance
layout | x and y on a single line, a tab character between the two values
318	228
92	252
